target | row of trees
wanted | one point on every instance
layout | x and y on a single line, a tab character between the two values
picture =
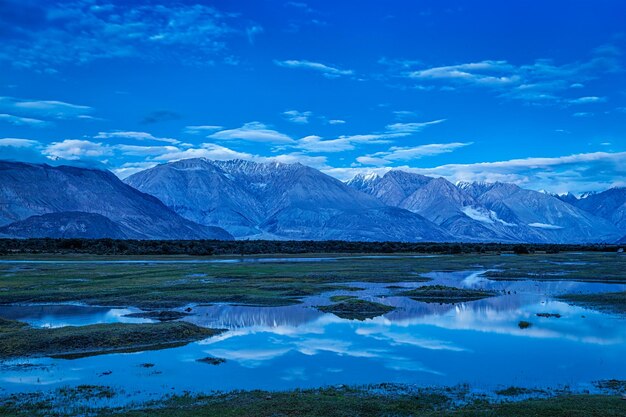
252	247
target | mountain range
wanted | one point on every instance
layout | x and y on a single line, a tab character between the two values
38	200
488	211
279	201
206	199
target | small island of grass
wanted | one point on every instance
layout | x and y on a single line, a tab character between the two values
159	315
612	302
20	340
211	360
446	295
354	309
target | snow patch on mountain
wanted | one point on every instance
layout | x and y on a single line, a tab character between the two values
481	214
545	226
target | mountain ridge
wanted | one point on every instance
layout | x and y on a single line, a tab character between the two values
28	190
206	199
288	201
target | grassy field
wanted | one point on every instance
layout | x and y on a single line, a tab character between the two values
161	286
614	302
20	340
156	285
379	401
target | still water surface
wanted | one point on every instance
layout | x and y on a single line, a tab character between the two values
478	343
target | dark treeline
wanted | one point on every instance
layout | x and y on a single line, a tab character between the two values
253	247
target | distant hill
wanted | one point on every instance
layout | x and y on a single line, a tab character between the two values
67	195
68	224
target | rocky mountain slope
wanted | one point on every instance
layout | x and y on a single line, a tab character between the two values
276	200
483	211
28	190
609	204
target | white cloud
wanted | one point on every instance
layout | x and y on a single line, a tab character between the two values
540	82
51	109
398	153
195	130
19	143
253	132
489	73
130	168
336	122
74	149
404	114
410	128
315	143
326	70
295	116
133	150
141	136
577	173
22	121
587	100
318	162
208	150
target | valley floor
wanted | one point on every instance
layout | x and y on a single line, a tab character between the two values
376	315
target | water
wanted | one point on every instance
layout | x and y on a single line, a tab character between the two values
275	348
60	315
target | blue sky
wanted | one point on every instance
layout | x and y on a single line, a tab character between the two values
528	92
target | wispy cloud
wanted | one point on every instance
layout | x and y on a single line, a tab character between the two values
490	73
587	100
295	116
45	109
400	153
326	70
135	150
200	129
315	143
22	121
207	150
80	31
74	149
19	143
540	82
410	128
140	136
253	132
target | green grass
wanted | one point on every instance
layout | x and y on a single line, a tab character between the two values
20	340
517	391
160	315
352	309
339	298
444	294
211	360
331	402
613	302
162	286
